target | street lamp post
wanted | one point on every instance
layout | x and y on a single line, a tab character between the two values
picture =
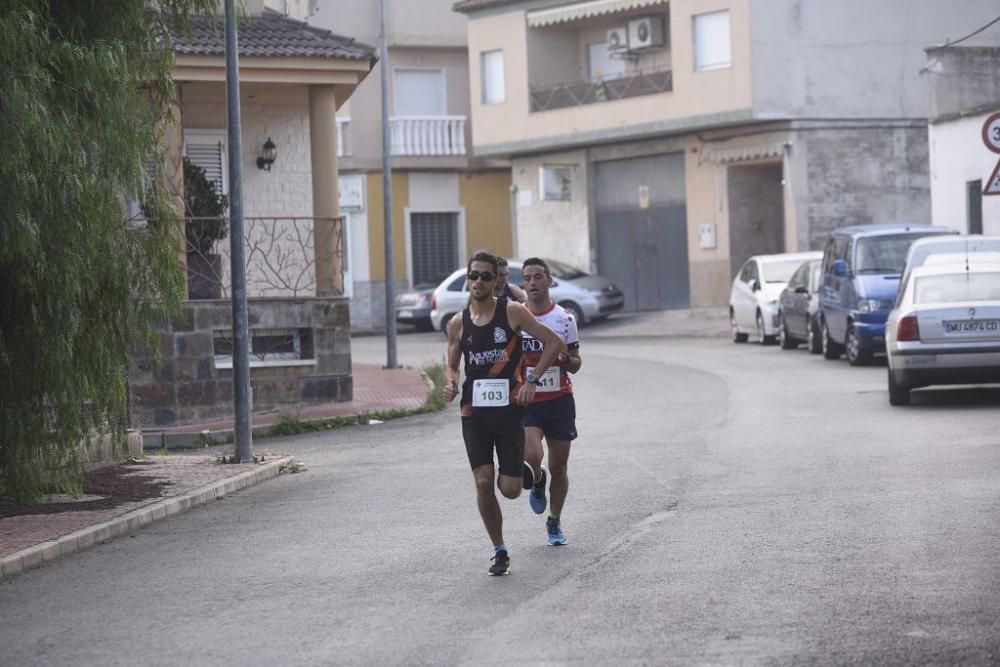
390	264
241	338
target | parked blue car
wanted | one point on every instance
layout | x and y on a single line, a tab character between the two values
860	277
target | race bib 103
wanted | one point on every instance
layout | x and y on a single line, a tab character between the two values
491	393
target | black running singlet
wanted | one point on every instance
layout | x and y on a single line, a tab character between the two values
492	352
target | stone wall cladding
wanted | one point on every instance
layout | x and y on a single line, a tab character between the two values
183	386
866	176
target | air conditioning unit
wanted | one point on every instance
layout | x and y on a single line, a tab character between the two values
645	33
617	40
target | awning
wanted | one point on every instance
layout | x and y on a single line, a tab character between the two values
585	10
749	153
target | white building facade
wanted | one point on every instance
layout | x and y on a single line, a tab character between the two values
964	93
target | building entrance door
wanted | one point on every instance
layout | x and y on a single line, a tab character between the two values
642	230
756	213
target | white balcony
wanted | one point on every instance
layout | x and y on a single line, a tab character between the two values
429	136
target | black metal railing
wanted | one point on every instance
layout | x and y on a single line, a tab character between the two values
279	255
579	93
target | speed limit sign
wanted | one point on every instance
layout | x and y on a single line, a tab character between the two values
991	133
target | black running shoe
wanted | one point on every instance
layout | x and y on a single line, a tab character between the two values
529	476
501	564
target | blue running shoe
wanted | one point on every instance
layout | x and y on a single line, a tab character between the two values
536	497
556	536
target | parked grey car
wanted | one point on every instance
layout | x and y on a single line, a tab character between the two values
414	306
588	297
798	308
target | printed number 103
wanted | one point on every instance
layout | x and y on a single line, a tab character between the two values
492	395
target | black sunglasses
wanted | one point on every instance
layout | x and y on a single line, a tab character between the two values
486	276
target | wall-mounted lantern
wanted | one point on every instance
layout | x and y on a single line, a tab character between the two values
268	154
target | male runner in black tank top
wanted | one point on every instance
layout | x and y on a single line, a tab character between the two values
487	335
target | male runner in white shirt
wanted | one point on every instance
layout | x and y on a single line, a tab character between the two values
552	411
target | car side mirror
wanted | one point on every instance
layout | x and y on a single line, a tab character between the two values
840	268
802	289
755	285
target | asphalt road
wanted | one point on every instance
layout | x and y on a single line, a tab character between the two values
729	504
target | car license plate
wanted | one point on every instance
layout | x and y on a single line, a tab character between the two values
404	314
971	326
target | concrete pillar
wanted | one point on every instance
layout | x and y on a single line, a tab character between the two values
328	235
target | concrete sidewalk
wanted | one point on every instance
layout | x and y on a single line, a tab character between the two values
29	540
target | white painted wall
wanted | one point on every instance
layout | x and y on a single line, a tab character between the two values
285	190
430	191
554	229
957	156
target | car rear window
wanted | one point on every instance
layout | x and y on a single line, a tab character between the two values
957	287
780	272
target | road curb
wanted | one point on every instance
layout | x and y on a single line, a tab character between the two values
83	538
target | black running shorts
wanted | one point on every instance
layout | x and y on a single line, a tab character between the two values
556	418
503	432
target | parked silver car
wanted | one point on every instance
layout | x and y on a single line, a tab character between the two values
588	297
925	249
946	328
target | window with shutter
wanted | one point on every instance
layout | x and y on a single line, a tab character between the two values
433	246
712	48
207	149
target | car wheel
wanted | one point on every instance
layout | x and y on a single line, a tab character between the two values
856	355
444	323
424	325
815	340
737	336
784	338
574	310
831	348
899	393
761	336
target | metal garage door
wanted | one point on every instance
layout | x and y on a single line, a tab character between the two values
642	230
433	246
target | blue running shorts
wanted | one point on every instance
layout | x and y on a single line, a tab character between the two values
556	418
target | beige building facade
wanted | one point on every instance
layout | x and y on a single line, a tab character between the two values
447	203
663	142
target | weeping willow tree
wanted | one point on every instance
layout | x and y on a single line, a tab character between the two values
85	89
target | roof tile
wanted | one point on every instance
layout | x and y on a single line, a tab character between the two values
269	35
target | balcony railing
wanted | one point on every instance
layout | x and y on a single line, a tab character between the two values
279	255
429	136
561	95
